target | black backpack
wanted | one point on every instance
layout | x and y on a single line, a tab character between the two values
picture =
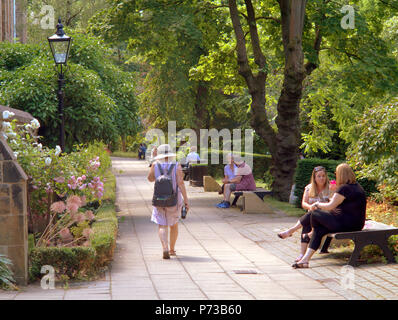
164	194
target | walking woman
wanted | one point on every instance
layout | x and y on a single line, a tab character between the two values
317	191
346	211
167	217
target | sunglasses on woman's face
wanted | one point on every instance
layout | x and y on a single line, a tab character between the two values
316	169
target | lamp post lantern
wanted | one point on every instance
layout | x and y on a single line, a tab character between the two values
60	46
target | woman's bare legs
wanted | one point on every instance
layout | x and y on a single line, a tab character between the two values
290	231
163	236
304	262
303	249
173	237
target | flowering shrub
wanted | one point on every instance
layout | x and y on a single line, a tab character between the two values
66	217
53	175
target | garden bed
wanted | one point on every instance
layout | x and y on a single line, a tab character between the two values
82	262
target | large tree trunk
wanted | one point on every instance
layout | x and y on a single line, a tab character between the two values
201	113
283	145
288	136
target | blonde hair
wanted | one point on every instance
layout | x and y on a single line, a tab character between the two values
344	175
313	192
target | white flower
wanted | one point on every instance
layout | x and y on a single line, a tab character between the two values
12	134
28	126
6	125
57	151
40	146
8	114
16	154
47	161
35	124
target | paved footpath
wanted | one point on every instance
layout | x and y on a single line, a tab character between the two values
221	254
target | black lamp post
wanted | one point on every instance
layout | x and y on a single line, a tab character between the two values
60	46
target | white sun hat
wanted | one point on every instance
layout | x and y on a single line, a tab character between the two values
164	151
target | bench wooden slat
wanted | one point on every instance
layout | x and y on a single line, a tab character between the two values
373	233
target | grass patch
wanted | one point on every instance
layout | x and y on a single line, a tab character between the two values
289	209
122	154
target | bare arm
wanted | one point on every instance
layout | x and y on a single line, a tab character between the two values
336	200
181	185
237	179
304	203
151	174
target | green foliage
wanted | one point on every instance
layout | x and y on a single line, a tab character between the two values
77	230
13	56
74	13
304	171
99	104
375	155
6	275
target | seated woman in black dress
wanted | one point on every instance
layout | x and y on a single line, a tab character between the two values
318	190
346	211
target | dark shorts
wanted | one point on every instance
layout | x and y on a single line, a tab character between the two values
232	187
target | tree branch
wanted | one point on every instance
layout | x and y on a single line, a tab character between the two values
259	57
270	18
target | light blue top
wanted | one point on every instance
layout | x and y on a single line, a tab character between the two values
230	173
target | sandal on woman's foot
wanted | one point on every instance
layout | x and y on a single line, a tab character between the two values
280	235
302	265
166	255
172	253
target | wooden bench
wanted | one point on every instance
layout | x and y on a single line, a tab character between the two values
185	170
373	233
253	201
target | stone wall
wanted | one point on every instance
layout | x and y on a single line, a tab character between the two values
13	213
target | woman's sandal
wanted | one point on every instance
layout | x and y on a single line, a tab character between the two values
303	265
172	253
166	255
280	235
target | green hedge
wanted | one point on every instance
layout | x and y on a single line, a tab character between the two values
261	164
304	171
74	262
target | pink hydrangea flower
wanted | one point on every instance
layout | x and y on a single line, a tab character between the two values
90	215
65	233
58	207
59	179
72	207
87	232
80	217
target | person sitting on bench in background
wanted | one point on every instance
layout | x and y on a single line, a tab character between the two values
229	172
319	190
192	157
243	181
346	212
